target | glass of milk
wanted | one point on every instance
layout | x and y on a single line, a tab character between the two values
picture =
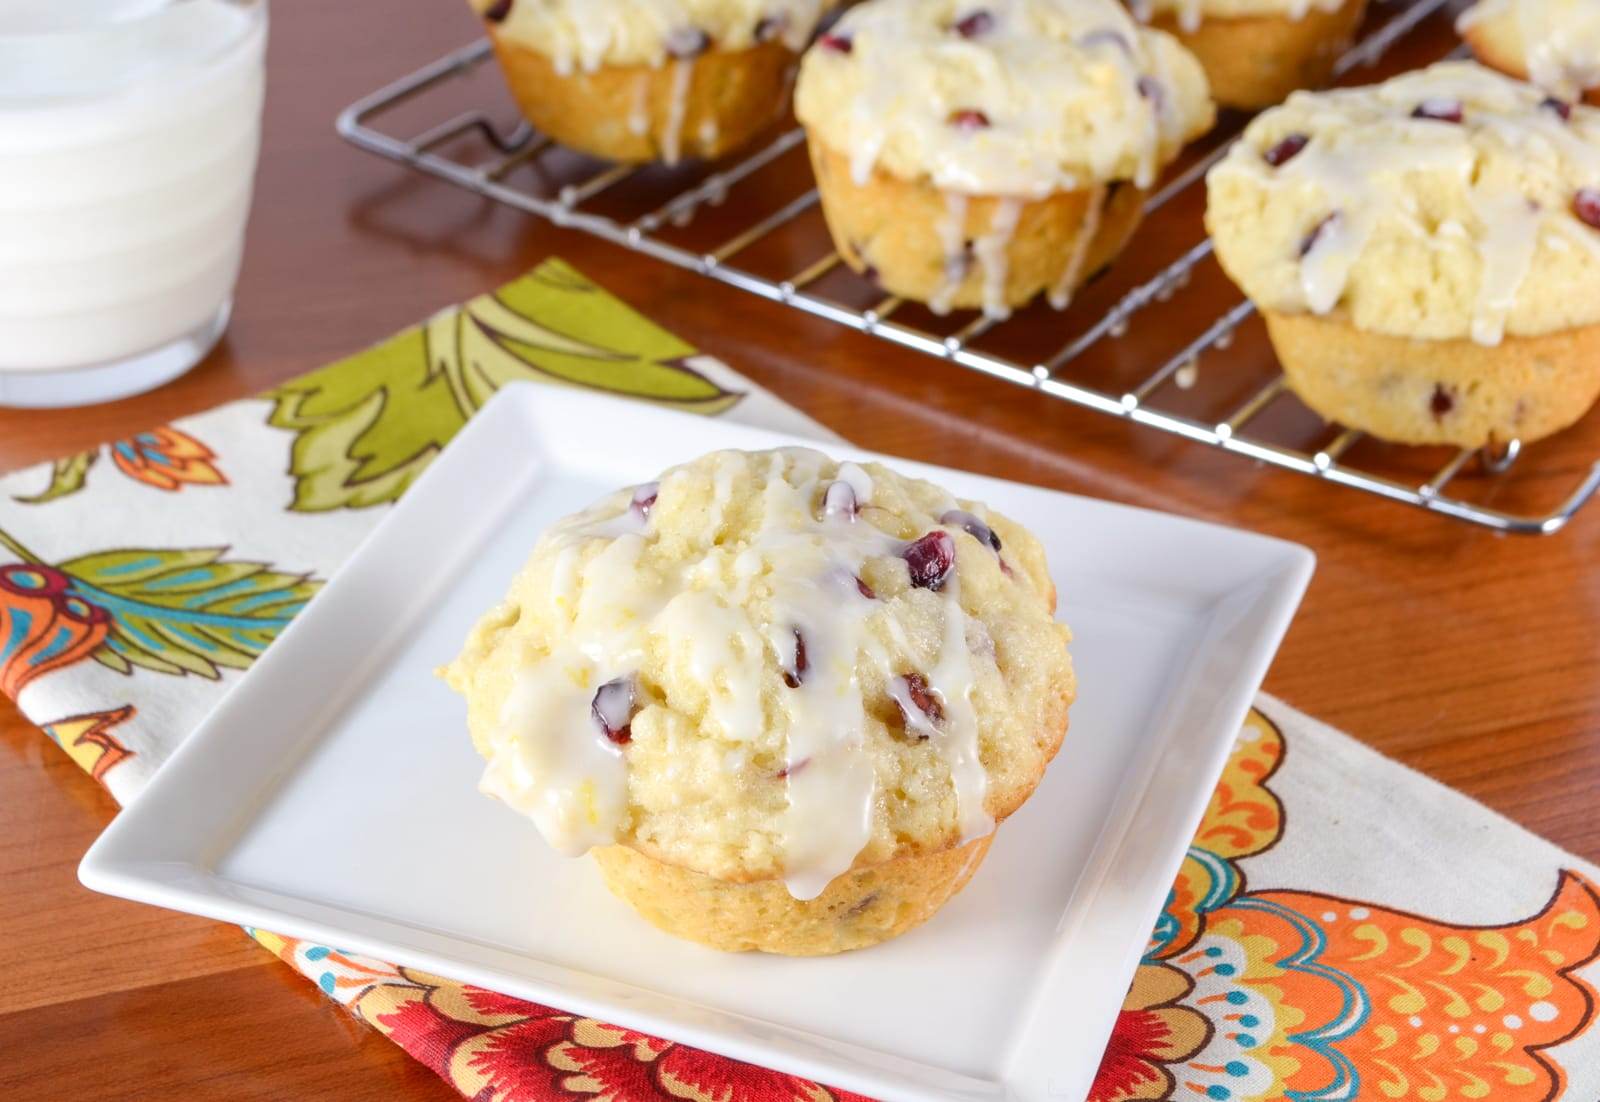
129	131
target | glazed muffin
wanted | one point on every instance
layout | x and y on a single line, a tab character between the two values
1255	52
650	80
784	701
977	153
1554	43
1425	252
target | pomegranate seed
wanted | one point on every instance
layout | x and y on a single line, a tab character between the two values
644	498
1586	205
791	770
771	26
923	697
968	119
1560	106
860	906
1439	110
612	709
1310	240
687	42
971	26
1285	150
1440	403
839	500
797	673
931	559
972	526
838	43
497	11
848	581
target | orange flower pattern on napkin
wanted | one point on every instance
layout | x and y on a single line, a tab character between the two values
1309	996
44	625
165	458
88	740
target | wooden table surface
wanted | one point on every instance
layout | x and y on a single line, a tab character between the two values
1472	657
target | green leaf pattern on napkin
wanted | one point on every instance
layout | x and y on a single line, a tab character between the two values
186	611
170	611
67	476
364	435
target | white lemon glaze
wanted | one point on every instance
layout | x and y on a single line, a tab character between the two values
1061	293
1071	93
1420	227
550	758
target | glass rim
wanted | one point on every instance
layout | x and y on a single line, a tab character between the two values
56	35
38	68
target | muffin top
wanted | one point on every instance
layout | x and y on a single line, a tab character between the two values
586	34
1189	13
771	665
1555	43
1450	203
1001	97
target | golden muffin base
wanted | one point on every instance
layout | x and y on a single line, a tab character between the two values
627	112
860	908
1497	54
889	228
1438	392
1256	61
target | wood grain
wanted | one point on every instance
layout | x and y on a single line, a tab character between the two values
1469	656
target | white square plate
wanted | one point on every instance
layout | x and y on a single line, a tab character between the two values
333	794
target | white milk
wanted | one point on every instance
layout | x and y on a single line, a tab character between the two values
129	131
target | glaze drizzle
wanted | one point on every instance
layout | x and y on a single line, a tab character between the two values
1452	156
561	749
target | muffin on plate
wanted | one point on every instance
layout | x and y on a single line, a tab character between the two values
650	80
975	153
1426	253
1255	52
784	700
1553	43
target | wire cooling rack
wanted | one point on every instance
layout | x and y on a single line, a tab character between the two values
760	232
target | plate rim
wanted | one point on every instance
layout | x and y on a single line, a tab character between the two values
104	869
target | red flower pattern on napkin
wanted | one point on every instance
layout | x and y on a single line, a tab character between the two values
494	1048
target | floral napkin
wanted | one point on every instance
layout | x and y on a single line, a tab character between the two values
1342	928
